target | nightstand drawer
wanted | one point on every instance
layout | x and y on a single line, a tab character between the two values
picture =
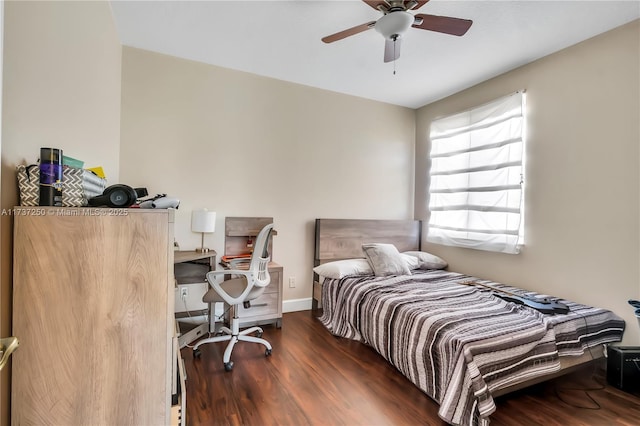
264	305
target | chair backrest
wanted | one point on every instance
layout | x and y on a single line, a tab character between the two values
260	258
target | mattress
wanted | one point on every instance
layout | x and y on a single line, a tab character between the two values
458	343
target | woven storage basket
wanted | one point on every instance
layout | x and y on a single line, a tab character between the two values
78	185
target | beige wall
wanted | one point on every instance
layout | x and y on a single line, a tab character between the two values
582	183
244	145
61	88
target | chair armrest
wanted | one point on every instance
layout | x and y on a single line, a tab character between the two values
218	288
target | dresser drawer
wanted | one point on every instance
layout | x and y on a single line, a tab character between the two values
266	304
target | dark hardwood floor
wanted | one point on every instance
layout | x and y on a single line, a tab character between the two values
314	378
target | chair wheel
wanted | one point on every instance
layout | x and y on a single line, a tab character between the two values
228	366
267	352
197	353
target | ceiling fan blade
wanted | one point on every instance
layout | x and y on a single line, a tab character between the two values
348	32
392	49
442	24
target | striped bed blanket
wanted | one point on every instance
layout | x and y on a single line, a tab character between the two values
456	342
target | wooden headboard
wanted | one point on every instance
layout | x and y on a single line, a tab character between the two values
338	239
343	238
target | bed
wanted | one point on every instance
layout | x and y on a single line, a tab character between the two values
459	343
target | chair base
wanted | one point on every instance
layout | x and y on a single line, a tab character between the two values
233	337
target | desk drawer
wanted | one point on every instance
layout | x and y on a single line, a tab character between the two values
266	304
274	285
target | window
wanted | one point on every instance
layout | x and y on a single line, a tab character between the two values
476	198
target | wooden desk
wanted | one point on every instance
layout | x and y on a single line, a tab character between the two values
266	309
181	256
191	267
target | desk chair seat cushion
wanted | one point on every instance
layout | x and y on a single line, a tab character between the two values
234	288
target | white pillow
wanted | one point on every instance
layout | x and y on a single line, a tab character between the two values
428	260
385	259
341	268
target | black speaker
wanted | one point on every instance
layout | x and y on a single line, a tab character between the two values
623	367
115	196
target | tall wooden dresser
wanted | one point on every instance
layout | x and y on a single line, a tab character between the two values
93	308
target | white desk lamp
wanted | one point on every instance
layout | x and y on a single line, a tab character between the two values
203	221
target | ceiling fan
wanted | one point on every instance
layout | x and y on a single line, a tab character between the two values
396	20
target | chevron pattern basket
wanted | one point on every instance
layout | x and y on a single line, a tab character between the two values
78	185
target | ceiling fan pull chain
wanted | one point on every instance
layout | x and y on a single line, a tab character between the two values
394	54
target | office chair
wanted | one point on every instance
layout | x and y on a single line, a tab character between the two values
245	286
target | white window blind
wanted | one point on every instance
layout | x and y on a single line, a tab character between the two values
476	198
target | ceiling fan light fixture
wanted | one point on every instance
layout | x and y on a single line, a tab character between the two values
394	24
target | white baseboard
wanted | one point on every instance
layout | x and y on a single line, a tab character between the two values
295	305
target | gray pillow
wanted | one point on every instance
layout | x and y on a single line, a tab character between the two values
385	259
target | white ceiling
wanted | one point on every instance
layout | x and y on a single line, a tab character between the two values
281	39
